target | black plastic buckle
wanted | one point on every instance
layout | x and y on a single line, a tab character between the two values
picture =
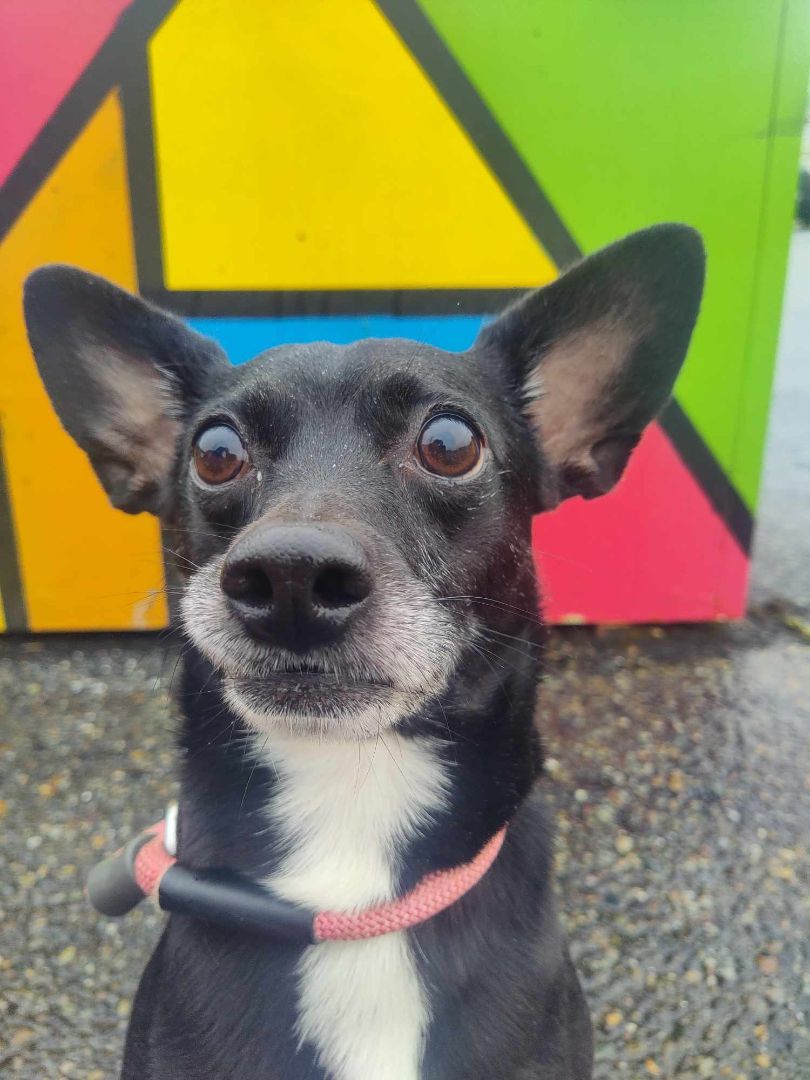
228	899
111	885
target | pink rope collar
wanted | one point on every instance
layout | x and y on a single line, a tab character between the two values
152	866
427	898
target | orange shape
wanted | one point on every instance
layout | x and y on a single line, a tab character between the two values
83	564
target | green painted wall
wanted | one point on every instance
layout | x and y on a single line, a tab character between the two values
637	111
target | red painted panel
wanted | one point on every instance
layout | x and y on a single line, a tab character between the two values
653	550
44	47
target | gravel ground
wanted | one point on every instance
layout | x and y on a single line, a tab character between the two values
679	768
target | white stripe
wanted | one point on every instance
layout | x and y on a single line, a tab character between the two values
346	811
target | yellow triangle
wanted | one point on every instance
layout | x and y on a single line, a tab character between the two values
300	146
84	565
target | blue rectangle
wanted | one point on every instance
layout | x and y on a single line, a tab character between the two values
243	338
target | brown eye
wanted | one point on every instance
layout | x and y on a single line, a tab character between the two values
219	454
449	446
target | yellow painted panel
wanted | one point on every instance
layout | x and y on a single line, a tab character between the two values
84	565
301	147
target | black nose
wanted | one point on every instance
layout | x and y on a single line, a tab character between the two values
296	586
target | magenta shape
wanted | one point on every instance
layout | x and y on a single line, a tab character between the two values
653	550
45	45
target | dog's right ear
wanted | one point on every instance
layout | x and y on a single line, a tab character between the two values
593	356
121	375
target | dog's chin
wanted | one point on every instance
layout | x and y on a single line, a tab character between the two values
317	706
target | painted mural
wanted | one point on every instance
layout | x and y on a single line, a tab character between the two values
335	169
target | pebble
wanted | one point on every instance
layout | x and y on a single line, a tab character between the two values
624	843
676	781
768	965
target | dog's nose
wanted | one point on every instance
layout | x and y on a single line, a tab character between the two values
296	586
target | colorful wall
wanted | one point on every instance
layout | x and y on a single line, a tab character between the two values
308	169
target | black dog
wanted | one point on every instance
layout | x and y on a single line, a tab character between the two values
359	694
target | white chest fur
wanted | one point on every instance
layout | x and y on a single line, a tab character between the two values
346	811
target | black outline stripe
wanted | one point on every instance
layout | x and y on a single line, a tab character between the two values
335	302
139	141
136	24
704	467
12	592
475	117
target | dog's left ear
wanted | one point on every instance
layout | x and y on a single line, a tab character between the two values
594	356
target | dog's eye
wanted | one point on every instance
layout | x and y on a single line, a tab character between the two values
449	446
219	454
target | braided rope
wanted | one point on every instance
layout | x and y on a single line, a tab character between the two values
152	861
432	894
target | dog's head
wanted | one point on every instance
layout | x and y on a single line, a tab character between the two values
358	518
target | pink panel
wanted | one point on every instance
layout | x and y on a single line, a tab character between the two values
44	47
653	550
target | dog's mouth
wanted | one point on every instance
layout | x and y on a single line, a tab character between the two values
308	685
314	669
311	696
308	680
311	700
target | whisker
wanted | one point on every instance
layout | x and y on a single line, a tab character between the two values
390	754
513	637
371	759
500	659
532	650
492	602
250	776
184	558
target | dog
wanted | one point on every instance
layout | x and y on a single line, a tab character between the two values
358	696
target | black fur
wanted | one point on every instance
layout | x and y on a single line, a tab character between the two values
331	430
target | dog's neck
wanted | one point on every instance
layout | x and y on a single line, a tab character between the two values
346	813
342	825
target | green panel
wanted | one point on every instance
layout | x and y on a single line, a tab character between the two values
630	112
